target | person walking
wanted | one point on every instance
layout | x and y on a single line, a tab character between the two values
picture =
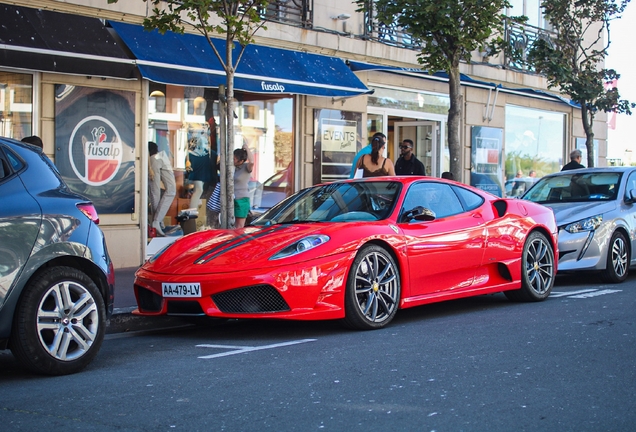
243	165
575	161
160	172
374	164
407	163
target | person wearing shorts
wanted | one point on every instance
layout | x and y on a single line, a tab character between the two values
243	165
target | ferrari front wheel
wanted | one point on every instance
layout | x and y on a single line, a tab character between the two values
372	295
537	270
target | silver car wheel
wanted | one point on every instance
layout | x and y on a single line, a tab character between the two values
619	256
539	265
67	320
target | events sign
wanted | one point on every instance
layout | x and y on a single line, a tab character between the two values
95	145
338	135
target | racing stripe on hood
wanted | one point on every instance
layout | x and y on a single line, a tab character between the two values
239	240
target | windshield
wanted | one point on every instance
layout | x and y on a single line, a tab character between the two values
336	202
596	186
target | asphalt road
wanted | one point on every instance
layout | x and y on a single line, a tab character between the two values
566	364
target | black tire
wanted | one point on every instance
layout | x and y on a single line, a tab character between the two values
372	295
618	258
59	323
537	270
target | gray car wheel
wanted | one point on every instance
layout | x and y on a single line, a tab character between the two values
617	267
537	270
372	295
59	323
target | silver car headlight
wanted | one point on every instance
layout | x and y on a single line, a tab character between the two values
588	224
301	246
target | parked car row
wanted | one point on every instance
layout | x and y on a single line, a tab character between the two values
354	250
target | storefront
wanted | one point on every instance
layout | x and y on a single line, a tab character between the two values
97	92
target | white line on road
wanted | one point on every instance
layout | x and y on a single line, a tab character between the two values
595	294
243	349
555	294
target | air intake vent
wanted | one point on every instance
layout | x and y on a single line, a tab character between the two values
252	299
148	301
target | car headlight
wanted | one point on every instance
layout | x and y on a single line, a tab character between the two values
159	253
588	224
301	246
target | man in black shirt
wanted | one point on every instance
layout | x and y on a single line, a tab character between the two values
407	163
575	161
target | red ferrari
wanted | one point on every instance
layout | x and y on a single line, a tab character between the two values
357	250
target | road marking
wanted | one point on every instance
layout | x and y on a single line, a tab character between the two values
595	294
562	294
244	349
586	293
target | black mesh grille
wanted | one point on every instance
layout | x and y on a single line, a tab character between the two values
190	308
148	301
252	299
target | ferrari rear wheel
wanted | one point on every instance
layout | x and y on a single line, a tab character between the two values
373	289
617	267
537	270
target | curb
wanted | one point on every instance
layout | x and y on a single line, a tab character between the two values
123	321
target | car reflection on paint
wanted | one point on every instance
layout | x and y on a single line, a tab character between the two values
357	250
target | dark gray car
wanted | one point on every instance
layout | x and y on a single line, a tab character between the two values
56	277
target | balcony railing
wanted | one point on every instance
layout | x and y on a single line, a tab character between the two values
298	13
387	33
520	39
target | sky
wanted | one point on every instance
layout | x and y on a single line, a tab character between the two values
621	58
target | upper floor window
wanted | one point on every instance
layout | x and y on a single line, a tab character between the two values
531	9
292	12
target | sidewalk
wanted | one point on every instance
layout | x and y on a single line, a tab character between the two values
122	319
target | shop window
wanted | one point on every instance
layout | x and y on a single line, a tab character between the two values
535	143
251	112
181	128
16	105
337	140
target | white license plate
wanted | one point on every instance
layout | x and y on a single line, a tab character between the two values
192	289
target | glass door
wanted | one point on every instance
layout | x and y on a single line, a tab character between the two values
425	136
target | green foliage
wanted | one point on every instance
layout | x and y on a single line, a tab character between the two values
573	60
449	30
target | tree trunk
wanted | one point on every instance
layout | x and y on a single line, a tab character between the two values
454	122
587	116
227	146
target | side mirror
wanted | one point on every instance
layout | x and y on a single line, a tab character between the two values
419	213
631	196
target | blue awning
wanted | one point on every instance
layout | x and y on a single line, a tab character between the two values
188	60
465	80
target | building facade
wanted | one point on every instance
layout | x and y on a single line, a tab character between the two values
96	87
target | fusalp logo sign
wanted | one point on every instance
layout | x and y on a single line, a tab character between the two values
273	87
95	150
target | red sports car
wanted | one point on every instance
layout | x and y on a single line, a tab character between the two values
357	250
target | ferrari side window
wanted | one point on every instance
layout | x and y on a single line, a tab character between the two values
470	200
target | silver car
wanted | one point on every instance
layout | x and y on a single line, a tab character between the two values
595	209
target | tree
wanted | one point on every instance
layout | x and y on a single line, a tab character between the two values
239	21
573	59
449	31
